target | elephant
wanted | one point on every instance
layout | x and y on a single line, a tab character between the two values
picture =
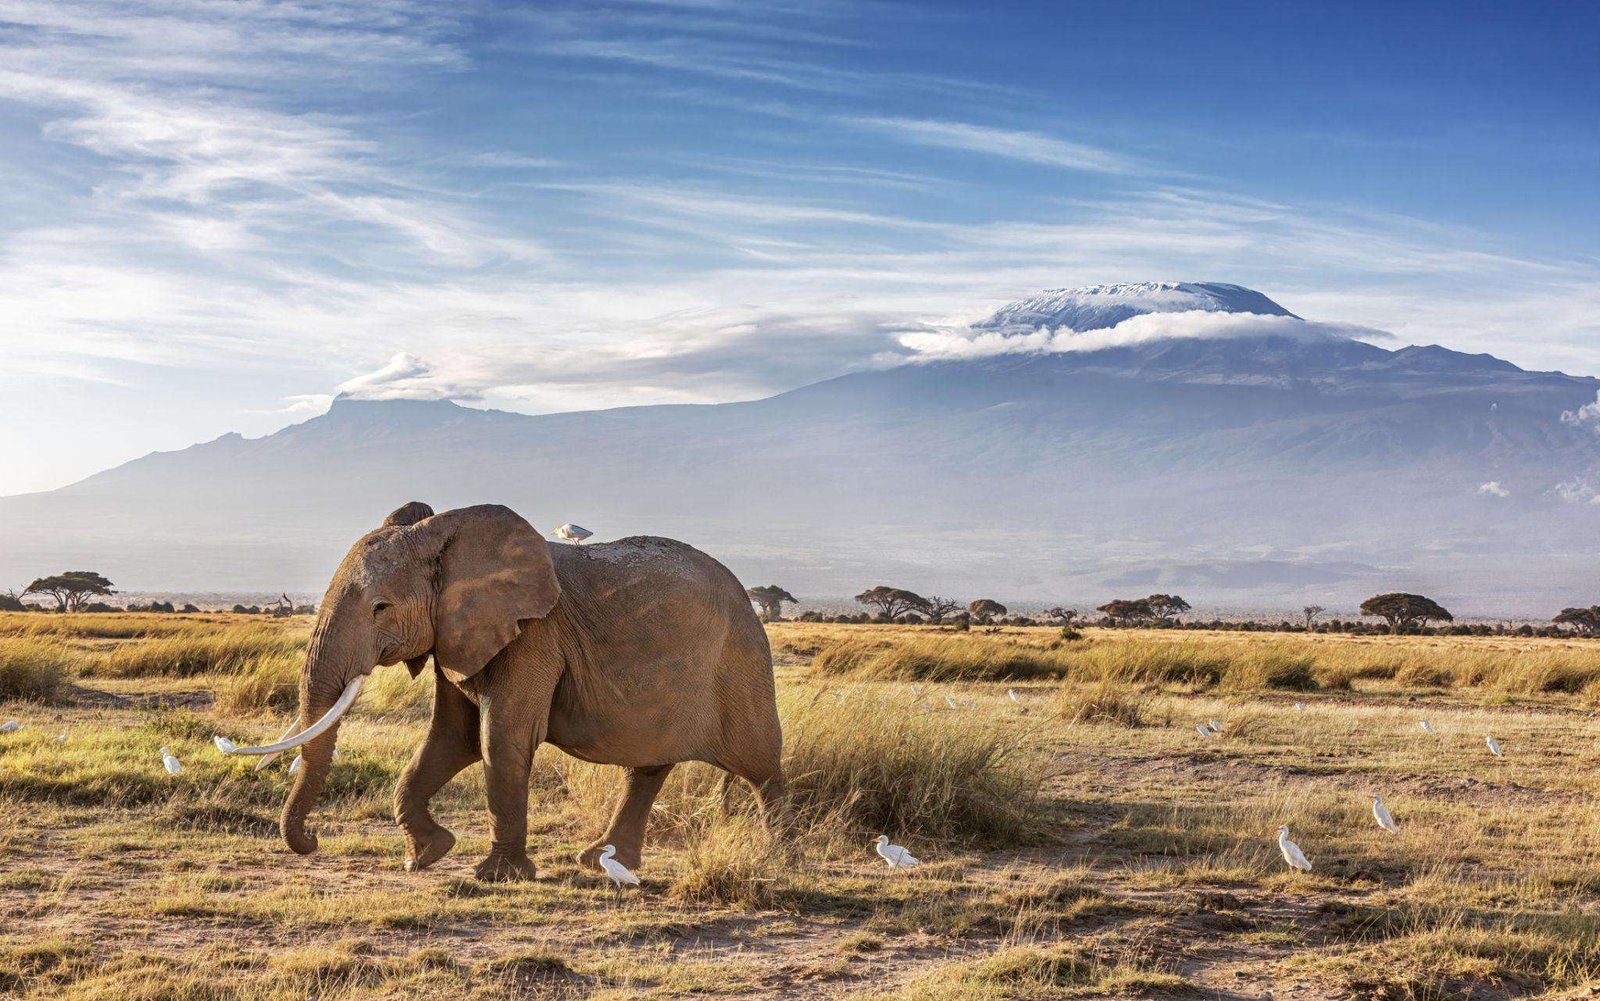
643	653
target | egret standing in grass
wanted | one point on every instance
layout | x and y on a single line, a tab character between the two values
10	726
1201	729
1011	693
1381	814
895	855
618	872
573	533
1291	851
1426	726
1214	725
1299	707
1494	747
951	702
170	760
60	738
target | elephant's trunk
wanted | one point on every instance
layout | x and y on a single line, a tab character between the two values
316	760
325	695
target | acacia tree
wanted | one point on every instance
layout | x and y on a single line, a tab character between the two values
985	609
1403	611
939	607
771	599
9	602
1127	611
69	589
1311	612
1584	620
1062	616
1165	606
893	602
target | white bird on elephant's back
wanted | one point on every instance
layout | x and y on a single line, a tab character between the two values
618	872
573	533
895	855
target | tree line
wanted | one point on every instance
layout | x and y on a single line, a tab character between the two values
1400	611
74	591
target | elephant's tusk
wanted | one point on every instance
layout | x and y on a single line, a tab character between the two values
311	732
268	759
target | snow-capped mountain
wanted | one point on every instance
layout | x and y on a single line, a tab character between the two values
1095	307
1265	471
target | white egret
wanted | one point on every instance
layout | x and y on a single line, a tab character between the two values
294	766
895	855
1426	726
10	726
1381	814
1494	747
951	702
1200	728
1291	851
60	738
1299	707
573	533
616	870
224	745
1011	693
1214	725
170	760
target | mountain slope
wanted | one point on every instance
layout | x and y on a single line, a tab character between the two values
1256	471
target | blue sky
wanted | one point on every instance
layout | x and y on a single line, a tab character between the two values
213	215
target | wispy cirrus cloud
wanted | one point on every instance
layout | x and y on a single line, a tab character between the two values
1010	144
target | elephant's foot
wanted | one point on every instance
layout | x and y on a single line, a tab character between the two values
499	868
589	858
424	848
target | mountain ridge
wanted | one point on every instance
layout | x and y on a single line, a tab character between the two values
1267	469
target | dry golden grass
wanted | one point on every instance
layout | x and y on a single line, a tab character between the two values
33	669
1081	842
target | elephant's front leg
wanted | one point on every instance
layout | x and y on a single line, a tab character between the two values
626	831
451	745
515	711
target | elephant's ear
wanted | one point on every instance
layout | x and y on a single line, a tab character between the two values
493	570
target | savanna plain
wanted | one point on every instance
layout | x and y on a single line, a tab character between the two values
1081	839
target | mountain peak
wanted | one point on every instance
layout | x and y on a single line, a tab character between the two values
1096	307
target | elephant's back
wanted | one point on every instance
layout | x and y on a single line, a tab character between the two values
661	569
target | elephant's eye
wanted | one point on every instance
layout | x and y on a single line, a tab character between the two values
378	606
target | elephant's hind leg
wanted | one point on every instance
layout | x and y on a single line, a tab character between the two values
451	745
626	830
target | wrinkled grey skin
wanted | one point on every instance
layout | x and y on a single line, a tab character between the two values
642	653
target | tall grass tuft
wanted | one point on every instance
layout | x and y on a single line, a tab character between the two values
731	860
885	768
185	655
34	669
939	658
266	684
